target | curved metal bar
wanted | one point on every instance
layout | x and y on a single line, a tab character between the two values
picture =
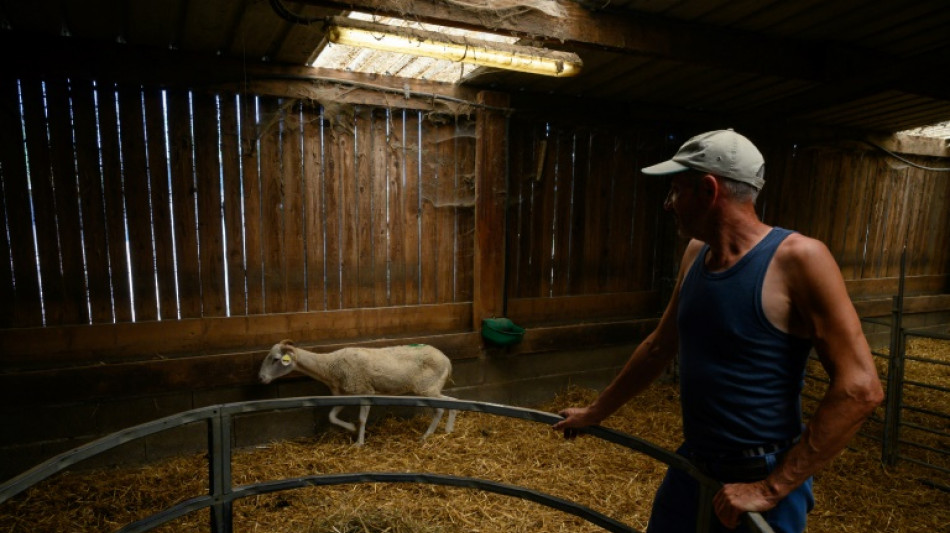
547	500
18	484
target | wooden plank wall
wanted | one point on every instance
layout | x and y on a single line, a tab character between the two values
865	206
587	235
124	204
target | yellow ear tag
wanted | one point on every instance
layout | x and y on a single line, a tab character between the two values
285	359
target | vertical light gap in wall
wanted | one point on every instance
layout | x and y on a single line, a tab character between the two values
419	236
171	200
221	195
403	153
323	205
339	216
389	254
122	192
239	136
29	190
149	175
555	177
193	202
52	182
102	190
568	274
6	226
260	197
357	163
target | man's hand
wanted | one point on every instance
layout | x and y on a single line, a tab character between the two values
735	499
574	419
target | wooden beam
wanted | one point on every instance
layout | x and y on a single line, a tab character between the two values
105	343
162	376
491	193
527	311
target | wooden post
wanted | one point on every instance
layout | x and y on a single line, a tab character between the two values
491	192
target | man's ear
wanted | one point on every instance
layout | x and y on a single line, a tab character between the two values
709	187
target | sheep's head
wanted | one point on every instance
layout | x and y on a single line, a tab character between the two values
281	360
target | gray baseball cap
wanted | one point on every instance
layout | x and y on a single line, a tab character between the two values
722	152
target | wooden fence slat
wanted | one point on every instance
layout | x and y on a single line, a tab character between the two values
208	184
621	206
349	210
465	193
23	309
333	189
183	193
314	208
272	208
43	202
160	202
516	154
428	178
294	201
531	221
253	209
580	177
91	203
444	199
363	215
398	207
379	200
546	212
232	205
597	250
69	226
113	187
137	204
412	212
563	211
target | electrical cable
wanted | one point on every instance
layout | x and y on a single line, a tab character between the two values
905	160
284	13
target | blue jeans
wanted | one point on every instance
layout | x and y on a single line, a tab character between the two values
677	500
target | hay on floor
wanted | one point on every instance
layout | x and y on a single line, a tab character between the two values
855	494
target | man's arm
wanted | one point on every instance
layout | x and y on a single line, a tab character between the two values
645	364
821	305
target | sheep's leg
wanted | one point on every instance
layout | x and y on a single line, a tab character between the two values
450	422
435	422
364	414
334	420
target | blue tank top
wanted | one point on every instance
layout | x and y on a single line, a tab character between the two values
741	377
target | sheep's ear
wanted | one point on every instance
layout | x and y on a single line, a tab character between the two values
288	342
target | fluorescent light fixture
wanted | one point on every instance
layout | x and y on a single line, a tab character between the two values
529	59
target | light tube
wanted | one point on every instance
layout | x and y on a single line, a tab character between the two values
459	49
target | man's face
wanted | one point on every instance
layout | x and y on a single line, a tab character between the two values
683	201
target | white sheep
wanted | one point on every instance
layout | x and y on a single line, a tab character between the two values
416	369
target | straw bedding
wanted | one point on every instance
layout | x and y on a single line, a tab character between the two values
855	494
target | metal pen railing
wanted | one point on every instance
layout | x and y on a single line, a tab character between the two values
222	493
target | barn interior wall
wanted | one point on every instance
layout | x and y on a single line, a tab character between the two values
159	240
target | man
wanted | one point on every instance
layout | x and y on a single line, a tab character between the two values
750	302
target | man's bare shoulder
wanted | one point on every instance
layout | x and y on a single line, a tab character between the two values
799	251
